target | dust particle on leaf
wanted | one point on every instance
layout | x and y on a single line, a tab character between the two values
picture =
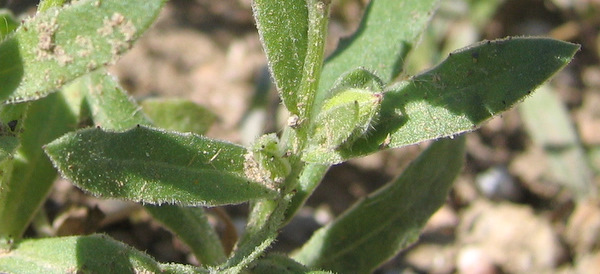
46	30
109	24
61	56
47	49
86	45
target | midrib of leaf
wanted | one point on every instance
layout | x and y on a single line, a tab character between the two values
165	165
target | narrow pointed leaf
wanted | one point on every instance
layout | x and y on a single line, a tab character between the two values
283	27
388	31
378	227
472	85
60	44
77	254
154	166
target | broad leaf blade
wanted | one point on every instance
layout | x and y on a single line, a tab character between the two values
77	254
379	226
154	166
388	31
283	27
60	44
472	85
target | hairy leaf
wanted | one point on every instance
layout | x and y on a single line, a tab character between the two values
283	28
76	254
385	222
344	118
154	166
60	44
472	85
107	102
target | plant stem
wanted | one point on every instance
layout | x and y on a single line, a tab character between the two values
267	215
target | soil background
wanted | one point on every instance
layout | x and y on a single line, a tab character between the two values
506	213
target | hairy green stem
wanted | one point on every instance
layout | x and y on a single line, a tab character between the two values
267	215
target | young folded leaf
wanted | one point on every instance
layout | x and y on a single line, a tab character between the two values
359	78
344	118
155	166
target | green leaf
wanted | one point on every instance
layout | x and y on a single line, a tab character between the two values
344	118
32	174
378	227
109	105
283	28
386	34
61	44
178	115
347	115
472	85
77	254
155	166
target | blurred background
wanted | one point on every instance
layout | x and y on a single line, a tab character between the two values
526	202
